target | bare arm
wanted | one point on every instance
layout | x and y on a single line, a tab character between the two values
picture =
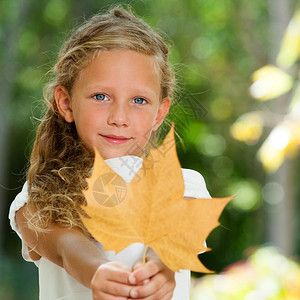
68	248
79	256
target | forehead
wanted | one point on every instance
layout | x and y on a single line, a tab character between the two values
123	68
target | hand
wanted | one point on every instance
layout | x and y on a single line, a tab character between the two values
154	280
111	282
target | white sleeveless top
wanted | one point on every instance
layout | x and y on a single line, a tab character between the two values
56	284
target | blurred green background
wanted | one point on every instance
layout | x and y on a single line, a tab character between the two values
237	111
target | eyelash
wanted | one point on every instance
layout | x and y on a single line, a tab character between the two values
95	97
144	100
103	95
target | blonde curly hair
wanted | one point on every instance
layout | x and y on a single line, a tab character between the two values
59	162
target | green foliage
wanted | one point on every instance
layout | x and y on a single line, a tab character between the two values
17	282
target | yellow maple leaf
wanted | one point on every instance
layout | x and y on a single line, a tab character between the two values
151	209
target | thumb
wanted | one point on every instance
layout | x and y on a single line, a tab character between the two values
138	264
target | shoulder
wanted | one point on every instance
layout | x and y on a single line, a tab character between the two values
195	185
20	200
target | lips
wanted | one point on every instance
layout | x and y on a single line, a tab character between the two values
115	139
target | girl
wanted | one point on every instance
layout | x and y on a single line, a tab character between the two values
111	91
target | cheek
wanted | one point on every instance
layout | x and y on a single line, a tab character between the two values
86	126
144	124
144	129
87	118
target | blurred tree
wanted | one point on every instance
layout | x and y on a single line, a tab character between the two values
281	226
10	35
278	81
215	50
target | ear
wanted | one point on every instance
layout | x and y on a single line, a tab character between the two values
63	102
162	112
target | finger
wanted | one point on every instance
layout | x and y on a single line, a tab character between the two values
168	296
138	264
146	290
119	265
155	297
116	289
146	272
162	294
114	273
103	296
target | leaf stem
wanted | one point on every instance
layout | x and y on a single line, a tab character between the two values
144	255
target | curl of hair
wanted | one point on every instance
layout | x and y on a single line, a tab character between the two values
59	161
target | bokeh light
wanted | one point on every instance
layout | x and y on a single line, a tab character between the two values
212	145
273	193
248	195
290	48
283	142
270	82
221	109
265	275
248	128
223	166
56	11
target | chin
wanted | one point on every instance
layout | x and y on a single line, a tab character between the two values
112	155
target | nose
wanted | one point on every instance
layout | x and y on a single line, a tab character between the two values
119	115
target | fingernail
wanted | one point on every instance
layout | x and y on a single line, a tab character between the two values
133	294
146	281
132	280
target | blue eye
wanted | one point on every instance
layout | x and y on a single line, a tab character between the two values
139	101
100	97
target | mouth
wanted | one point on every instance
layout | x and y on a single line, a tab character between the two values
116	139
